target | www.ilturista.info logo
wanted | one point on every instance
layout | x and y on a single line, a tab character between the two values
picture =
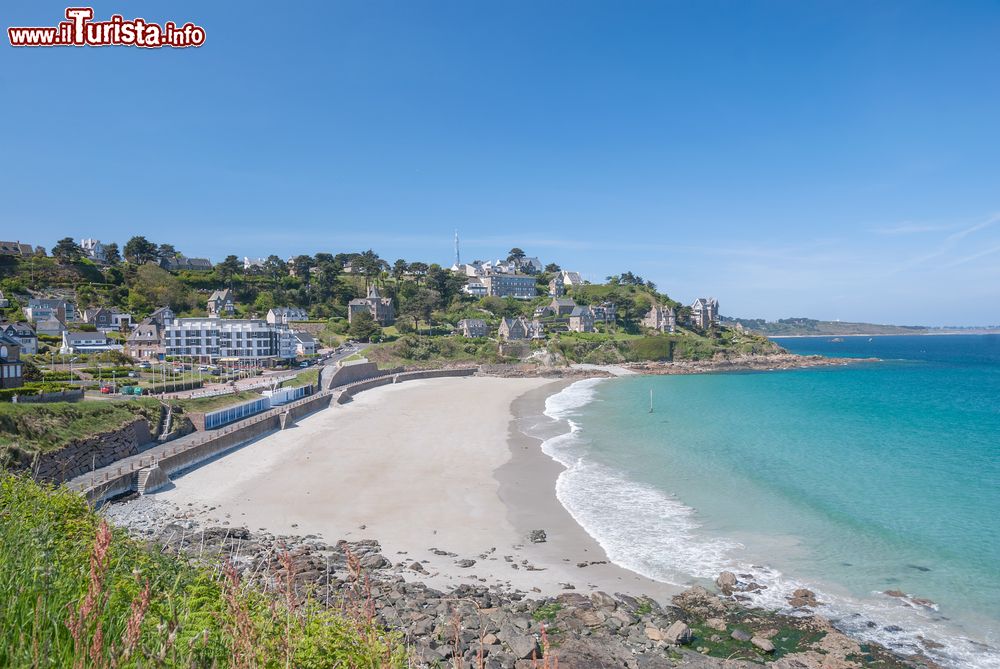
81	30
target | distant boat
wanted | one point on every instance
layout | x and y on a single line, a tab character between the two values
837	340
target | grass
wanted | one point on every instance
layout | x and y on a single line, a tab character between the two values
206	404
308	377
77	593
30	428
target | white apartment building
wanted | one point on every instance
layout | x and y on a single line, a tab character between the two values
221	338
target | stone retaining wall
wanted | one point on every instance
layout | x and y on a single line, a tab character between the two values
349	374
82	455
57	396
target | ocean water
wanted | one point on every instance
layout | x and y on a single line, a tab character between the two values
849	480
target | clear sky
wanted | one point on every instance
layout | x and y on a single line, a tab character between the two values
827	159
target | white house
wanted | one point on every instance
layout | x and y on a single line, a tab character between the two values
305	343
285	315
87	342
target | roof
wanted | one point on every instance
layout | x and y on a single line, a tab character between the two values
23	329
305	337
472	322
580	311
221	295
46	302
564	301
78	336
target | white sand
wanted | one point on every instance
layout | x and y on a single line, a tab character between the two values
416	464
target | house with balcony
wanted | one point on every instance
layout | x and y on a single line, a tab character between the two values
87	342
107	319
42	309
704	312
228	339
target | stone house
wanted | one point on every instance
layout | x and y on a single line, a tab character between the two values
660	318
146	341
605	312
221	304
581	319
15	249
704	312
473	327
11	367
380	308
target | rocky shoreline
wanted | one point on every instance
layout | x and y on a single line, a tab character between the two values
750	363
476	625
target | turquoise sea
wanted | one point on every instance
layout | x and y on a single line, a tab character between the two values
850	480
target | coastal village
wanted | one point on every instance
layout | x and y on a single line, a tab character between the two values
513	301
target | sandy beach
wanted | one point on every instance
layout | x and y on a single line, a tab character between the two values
436	470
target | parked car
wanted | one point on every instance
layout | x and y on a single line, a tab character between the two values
105	390
144	365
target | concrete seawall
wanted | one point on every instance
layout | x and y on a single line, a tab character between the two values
181	457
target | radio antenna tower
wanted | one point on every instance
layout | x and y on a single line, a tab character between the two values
458	258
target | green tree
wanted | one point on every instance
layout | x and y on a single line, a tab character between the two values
166	252
515	255
66	251
363	327
552	268
421	305
229	268
140	250
111	254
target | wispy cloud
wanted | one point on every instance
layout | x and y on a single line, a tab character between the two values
908	228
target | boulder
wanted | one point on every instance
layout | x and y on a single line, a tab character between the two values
717	624
678	633
762	643
726	582
537	536
741	635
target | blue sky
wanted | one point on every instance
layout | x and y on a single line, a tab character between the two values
823	159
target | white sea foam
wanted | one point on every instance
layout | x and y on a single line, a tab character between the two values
651	533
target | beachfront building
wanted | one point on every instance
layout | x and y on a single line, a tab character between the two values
518	286
48	308
473	327
245	340
380	308
11	367
660	318
221	304
704	312
285	315
87	342
581	319
23	334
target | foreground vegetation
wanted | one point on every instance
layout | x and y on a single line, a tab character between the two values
75	593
